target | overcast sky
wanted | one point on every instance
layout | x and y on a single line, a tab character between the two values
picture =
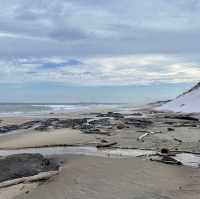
84	44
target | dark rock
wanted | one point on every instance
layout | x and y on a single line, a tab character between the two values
30	124
92	131
5	129
103	122
170	129
96	131
182	117
24	165
138	122
104	141
136	114
47	124
86	126
69	123
121	126
26	125
51	120
164	151
43	125
107	145
61	123
186	125
170	122
42	128
111	114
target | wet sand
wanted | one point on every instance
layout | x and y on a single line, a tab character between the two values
16	190
24	139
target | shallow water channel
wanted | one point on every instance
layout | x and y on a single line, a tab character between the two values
187	159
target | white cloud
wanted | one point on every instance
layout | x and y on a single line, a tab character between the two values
121	70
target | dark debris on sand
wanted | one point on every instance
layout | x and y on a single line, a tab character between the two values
107	123
24	165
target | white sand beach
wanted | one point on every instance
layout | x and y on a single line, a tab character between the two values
91	177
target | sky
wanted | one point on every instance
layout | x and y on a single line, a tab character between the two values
133	51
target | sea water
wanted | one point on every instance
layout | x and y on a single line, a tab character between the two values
14	109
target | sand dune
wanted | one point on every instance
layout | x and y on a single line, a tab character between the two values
188	102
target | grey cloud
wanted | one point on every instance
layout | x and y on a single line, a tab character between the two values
28	16
137	43
68	33
66	20
82	29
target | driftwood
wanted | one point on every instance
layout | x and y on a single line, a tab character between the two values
166	156
106	145
141	138
166	159
38	177
178	140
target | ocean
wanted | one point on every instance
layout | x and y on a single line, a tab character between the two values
14	109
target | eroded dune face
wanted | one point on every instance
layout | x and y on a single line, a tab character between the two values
188	102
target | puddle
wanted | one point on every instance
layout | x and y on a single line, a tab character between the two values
186	158
90	151
128	152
